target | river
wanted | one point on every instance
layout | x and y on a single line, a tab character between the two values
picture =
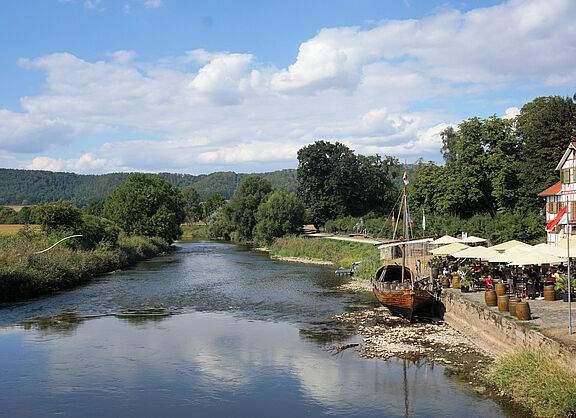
211	330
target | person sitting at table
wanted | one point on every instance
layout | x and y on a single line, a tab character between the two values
489	282
551	279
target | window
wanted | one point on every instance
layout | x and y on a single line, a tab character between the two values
565	176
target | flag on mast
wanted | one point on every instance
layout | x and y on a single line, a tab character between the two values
393	220
405	178
423	220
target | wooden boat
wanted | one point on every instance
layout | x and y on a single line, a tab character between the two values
401	297
396	286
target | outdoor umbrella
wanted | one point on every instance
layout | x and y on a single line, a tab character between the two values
449	249
509	254
472	240
535	258
446	239
477	253
507	245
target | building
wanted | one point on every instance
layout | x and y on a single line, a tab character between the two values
561	198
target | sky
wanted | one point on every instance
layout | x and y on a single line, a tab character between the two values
187	86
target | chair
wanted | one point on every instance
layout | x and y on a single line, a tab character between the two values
530	291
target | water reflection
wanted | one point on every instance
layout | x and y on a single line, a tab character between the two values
213	364
211	330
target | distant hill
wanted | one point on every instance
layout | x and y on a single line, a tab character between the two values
30	187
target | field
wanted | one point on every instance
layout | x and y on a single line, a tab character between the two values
12	229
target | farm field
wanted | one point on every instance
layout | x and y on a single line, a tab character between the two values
12	229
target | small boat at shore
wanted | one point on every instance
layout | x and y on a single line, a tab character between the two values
401	297
396	286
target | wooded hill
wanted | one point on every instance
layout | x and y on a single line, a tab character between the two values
30	187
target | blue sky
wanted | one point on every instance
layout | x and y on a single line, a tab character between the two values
97	86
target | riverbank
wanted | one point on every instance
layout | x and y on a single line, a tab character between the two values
465	350
25	274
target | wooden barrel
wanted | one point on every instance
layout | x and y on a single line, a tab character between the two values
435	272
512	303
549	292
445	282
502	303
456	282
500	289
523	311
490	298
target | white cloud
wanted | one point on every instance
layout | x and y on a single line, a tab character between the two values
30	133
153	4
351	84
87	163
511	113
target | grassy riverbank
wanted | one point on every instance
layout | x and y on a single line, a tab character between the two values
194	231
536	382
340	253
24	274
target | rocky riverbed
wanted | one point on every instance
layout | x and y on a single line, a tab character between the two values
385	336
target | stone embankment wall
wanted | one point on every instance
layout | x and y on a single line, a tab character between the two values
497	334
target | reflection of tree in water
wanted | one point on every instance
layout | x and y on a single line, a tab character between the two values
324	333
65	323
138	317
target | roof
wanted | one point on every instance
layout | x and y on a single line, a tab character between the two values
552	190
571	147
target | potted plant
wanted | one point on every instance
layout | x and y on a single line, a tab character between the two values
466	278
435	265
561	286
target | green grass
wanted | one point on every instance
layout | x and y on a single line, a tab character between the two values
24	274
341	253
535	381
195	231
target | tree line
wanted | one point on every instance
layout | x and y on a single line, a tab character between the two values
31	187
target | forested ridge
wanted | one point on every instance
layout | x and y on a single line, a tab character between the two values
30	187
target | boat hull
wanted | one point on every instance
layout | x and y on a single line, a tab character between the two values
407	304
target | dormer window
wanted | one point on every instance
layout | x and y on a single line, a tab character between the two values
565	176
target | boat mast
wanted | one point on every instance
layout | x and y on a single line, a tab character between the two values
404	229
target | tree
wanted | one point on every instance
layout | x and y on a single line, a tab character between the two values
59	217
93	207
281	214
378	193
146	205
192	206
213	202
251	192
218	224
546	126
329	180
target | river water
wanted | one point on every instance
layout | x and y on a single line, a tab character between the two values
211	330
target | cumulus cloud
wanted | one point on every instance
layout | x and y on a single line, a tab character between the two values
30	133
87	163
511	113
351	84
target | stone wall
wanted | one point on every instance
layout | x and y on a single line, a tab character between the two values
497	334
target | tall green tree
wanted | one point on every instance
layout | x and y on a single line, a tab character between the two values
146	205
213	202
251	192
546	126
377	190
59	217
329	180
281	214
192	206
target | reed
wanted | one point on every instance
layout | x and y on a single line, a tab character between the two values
535	381
24	274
